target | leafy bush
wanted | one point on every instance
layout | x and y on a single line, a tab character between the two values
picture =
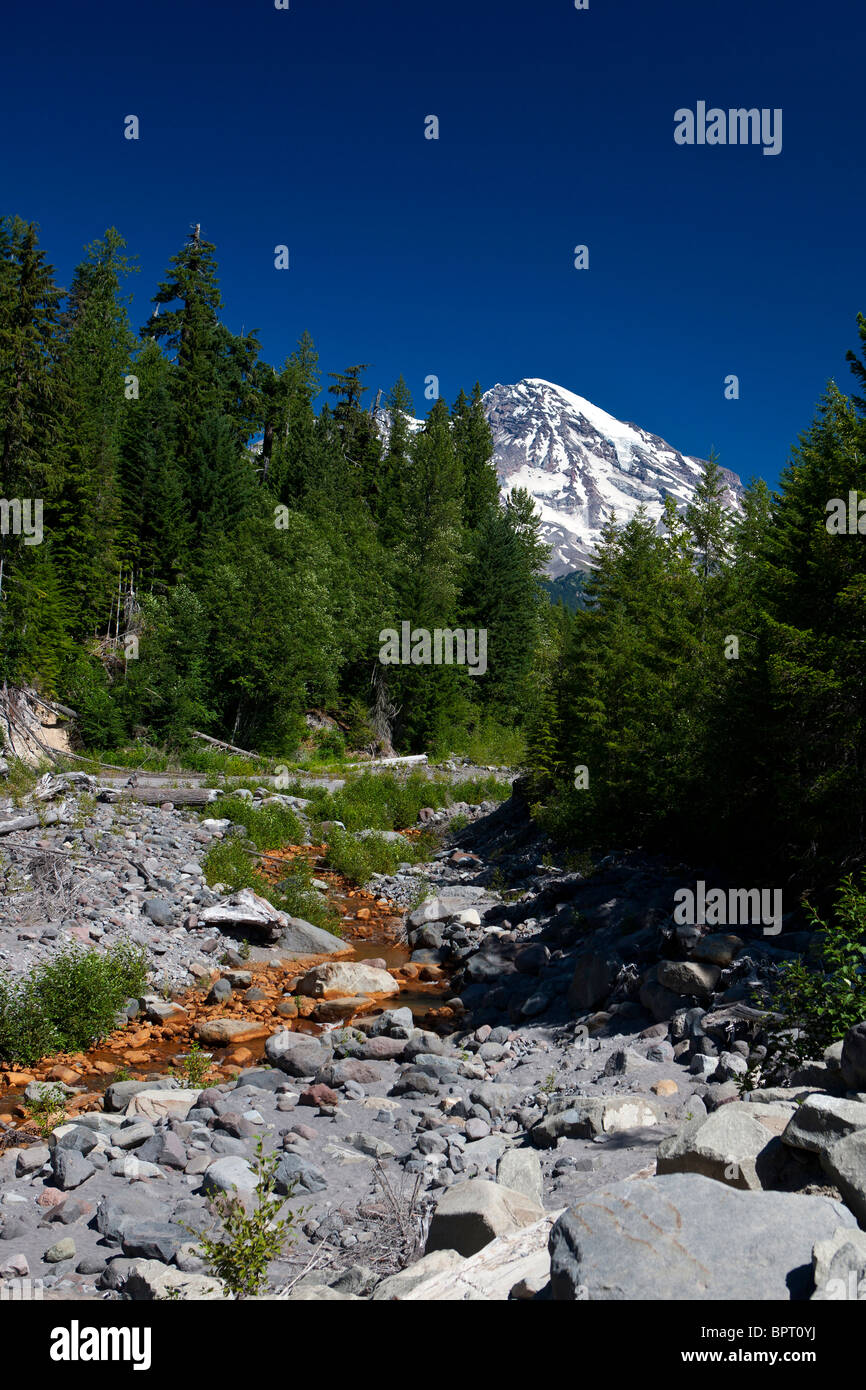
48	1111
383	801
268	827
69	1003
241	1252
818	1004
359	858
331	743
296	895
233	863
195	1067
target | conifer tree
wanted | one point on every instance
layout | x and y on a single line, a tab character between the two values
97	345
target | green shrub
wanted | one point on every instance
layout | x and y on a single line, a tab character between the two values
359	858
69	1003
295	894
268	827
234	863
331	743
194	1067
48	1111
818	1004
240	1253
383	801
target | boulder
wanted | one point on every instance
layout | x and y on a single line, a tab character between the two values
822	1120
143	1280
305	939
732	1145
594	977
685	1237
231	1174
295	1054
294	1175
839	1266
514	1265
471	1214
660	1002
161	1105
584	1117
853	1059
347	978
220	1032
688	977
160	911
520	1169
245	914
398	1286
719	948
437	910
845	1163
70	1168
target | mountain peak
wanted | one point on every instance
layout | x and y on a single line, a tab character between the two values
582	465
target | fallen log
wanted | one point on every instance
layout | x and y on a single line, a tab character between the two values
8	827
155	796
409	760
227	747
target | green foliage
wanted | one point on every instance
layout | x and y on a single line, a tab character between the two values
359	857
267	827
385	801
295	894
47	1111
234	863
819	1000
68	1003
195	1067
241	1252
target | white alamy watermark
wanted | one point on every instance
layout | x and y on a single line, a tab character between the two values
22	516
846	520
736	126
21	1290
443	646
739	907
77	1343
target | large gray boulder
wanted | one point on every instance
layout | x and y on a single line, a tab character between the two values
304	938
820	1121
585	1117
295	1054
688	977
737	1144
685	1237
520	1169
845	1163
231	1174
839	1267
471	1214
397	1286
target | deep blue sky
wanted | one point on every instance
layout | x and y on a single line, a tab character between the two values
306	127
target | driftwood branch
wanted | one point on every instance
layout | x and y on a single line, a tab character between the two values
228	747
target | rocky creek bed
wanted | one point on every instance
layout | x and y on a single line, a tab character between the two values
564	1122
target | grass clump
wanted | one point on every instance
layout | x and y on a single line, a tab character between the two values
383	801
69	1003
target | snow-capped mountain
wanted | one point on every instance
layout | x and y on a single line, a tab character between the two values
581	465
